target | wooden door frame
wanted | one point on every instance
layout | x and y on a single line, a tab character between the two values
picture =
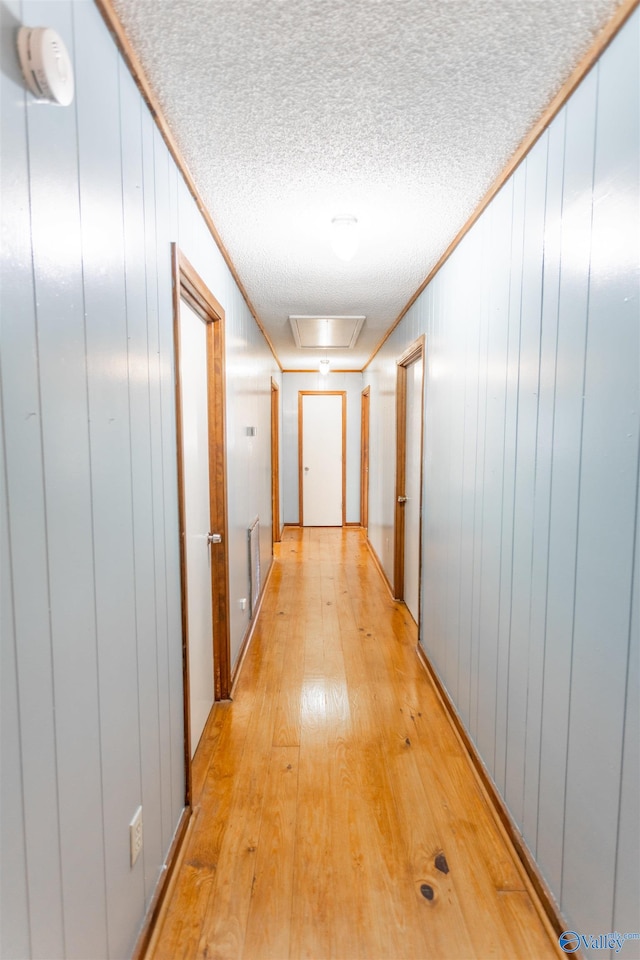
188	286
323	393
364	457
275	462
415	352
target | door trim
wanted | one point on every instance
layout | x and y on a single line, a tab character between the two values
323	393
275	462
364	457
188	286
415	352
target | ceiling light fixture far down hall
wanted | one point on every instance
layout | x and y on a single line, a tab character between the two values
345	237
324	367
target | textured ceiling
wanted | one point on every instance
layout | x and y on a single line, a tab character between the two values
398	112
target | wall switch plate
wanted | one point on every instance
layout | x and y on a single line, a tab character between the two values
243	603
135	835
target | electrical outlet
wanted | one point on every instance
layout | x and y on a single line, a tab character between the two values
135	835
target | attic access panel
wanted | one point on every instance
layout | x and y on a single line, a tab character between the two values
326	333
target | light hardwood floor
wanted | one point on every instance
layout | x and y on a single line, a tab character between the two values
333	794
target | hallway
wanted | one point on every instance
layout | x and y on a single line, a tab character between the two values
328	790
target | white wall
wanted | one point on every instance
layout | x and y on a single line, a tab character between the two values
292	383
91	630
530	527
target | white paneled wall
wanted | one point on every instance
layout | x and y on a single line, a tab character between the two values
292	383
381	377
530	587
91	627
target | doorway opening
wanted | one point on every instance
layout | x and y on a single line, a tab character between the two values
408	507
202	499
322	438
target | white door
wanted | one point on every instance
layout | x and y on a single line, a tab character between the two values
322	460
412	488
195	454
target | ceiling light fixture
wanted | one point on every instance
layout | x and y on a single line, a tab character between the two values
324	367
325	333
344	237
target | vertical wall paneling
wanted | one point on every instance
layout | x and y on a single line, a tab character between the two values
387	435
450	302
429	610
450	308
92	665
141	474
438	520
238	417
607	499
531	486
512	378
432	617
479	486
29	786
55	212
17	301
435	622
100	182
444	562
626	914
507	367
14	897
578	118
525	474
170	637
472	250
157	485
14	935
542	479
497	345
19	392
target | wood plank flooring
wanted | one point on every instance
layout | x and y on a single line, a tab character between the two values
336	813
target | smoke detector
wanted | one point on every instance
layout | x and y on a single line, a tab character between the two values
46	66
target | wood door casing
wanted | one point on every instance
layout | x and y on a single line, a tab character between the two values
415	352
413	477
188	286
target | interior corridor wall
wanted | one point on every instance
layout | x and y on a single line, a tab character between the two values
530	581
352	384
92	722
